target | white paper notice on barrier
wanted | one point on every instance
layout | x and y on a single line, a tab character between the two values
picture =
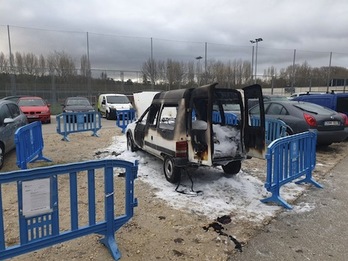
36	197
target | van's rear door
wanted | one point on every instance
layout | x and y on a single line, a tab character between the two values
199	125
254	127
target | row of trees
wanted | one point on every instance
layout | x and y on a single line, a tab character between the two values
174	74
58	63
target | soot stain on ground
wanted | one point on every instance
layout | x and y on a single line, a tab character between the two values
218	228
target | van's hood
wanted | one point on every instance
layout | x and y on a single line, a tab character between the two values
142	100
126	106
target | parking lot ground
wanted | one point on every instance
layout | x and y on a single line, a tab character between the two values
317	234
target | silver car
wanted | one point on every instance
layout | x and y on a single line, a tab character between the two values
11	118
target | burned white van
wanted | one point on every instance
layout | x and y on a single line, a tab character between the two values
203	126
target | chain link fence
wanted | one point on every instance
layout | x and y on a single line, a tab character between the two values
116	64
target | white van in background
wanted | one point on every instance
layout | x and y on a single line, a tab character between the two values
108	104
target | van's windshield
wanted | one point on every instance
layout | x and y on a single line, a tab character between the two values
117	99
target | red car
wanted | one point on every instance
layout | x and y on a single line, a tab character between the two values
35	108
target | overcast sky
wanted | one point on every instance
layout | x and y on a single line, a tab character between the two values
284	25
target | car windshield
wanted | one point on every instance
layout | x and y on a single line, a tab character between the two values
31	102
314	108
117	99
81	102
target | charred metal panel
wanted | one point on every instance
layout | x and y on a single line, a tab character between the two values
254	136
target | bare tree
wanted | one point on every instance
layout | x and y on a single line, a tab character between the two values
191	73
150	69
161	68
4	66
19	62
61	64
42	65
31	63
85	66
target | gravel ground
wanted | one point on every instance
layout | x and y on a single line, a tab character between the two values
156	232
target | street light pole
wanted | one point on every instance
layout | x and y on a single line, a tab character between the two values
252	60
257	40
199	74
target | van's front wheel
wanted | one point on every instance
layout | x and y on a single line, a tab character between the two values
232	168
130	143
107	115
171	172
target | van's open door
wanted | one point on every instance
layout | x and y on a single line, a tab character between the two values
254	127
200	124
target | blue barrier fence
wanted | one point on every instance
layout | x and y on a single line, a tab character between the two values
29	144
274	128
124	117
290	158
230	118
72	122
40	208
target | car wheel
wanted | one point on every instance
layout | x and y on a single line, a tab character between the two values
171	172
130	144
232	168
2	155
107	115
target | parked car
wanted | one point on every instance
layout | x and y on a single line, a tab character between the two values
268	97
78	104
11	118
13	98
334	101
35	108
298	94
188	128
304	116
108	104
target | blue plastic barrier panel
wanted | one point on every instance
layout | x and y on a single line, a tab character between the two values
294	148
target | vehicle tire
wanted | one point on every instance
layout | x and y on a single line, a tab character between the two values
107	115
171	172
2	155
232	168
130	143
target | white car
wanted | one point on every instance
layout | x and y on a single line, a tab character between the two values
188	128
109	104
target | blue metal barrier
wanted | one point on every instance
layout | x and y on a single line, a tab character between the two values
124	117
289	158
274	128
71	122
29	144
39	203
230	118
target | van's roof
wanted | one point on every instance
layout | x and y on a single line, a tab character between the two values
112	94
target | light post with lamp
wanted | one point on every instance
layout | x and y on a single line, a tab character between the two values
199	71
252	60
257	40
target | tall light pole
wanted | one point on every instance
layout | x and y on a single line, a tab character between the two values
252	60
257	40
199	72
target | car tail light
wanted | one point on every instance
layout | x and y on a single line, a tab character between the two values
310	120
345	118
181	149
